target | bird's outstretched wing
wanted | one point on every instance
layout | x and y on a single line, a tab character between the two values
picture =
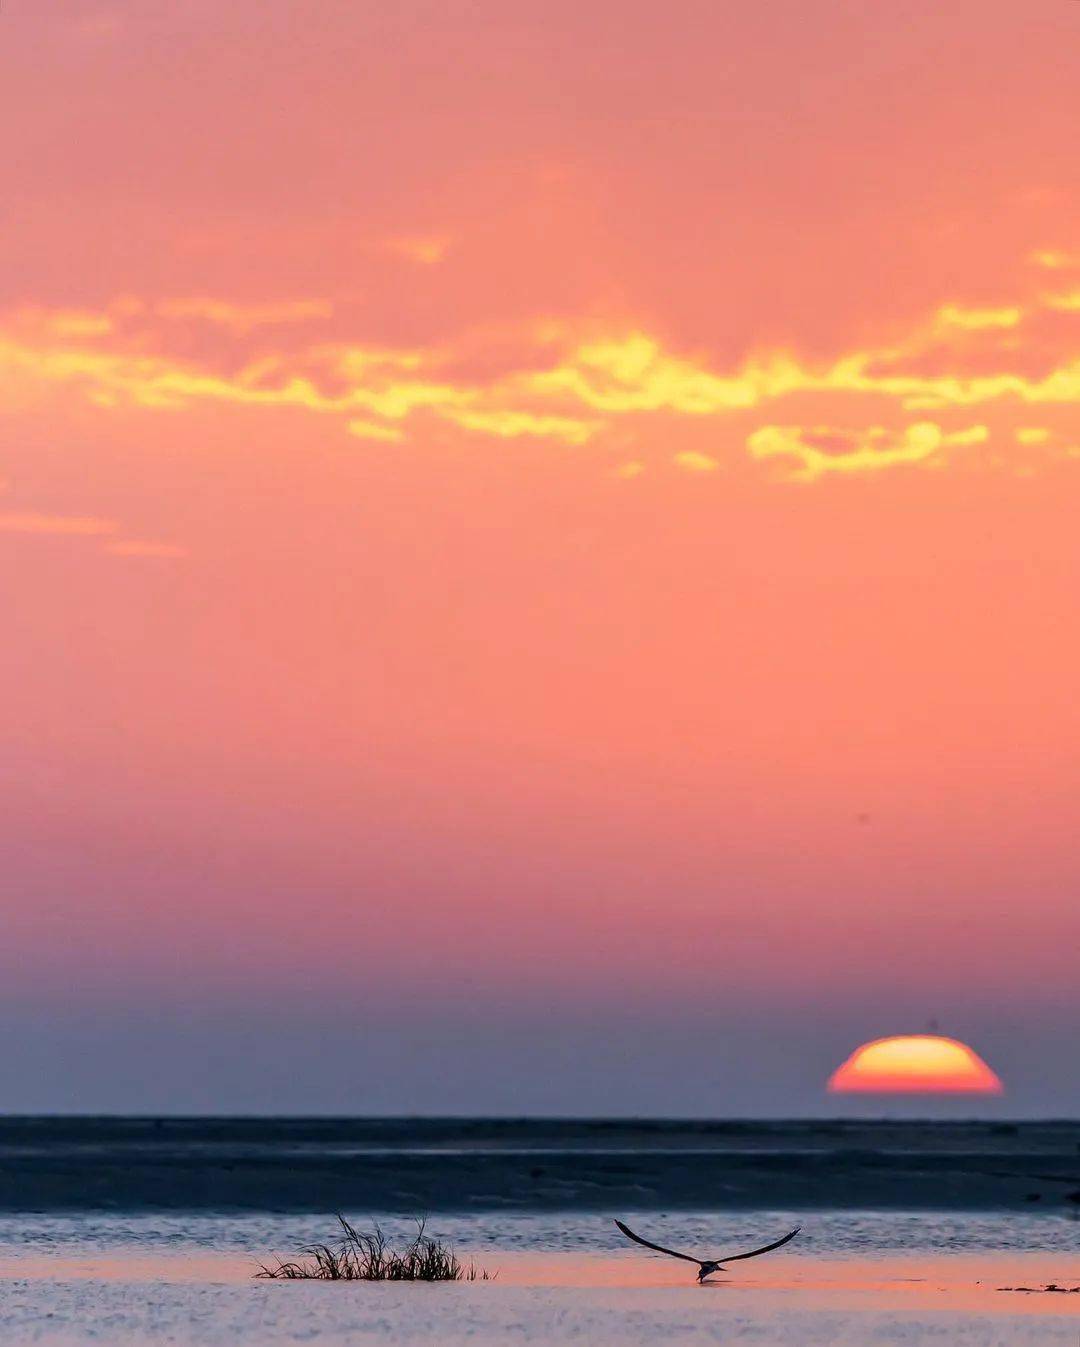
766	1248
659	1247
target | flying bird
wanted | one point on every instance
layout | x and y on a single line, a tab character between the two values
707	1266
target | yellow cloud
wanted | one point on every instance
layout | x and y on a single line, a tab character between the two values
914	392
818	450
510	424
1032	435
975	320
361	362
1069	303
60	324
634	375
1054	260
158	382
81	324
692	461
373	430
550	381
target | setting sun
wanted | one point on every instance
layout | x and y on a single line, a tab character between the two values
915	1064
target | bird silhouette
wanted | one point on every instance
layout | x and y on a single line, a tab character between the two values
707	1266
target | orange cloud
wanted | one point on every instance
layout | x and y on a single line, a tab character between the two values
423	251
134	548
244	318
68	525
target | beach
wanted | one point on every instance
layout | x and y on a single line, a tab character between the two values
181	1269
190	1282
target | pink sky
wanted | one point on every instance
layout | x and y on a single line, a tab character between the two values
526	518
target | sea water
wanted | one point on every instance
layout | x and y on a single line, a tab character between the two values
123	1244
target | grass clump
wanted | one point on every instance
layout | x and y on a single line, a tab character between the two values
356	1256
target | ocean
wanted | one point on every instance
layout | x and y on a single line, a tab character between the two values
408	1165
142	1231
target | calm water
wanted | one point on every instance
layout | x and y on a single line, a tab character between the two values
852	1279
433	1165
37	1236
131	1233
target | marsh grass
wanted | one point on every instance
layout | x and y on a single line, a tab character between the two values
356	1256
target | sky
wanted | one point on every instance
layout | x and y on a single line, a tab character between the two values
538	552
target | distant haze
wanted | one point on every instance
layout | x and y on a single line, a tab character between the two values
539	553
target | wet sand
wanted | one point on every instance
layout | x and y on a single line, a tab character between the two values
210	1300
